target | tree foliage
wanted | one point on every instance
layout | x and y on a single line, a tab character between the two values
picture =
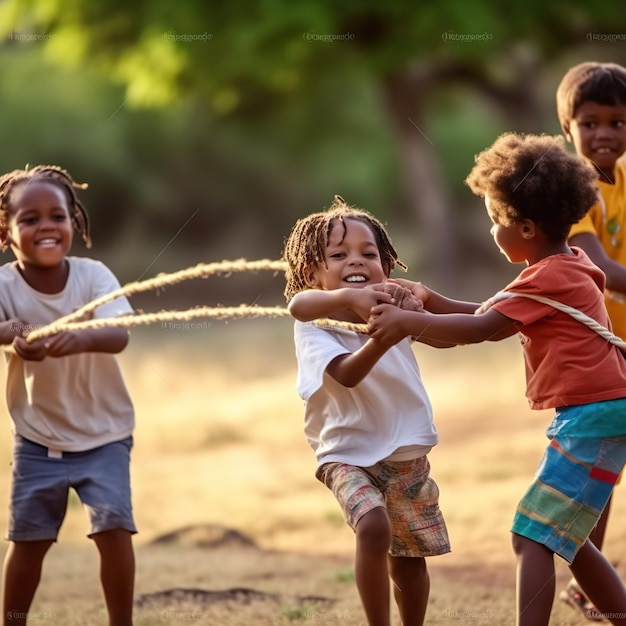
235	55
260	60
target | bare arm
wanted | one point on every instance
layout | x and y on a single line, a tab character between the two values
350	369
615	272
314	304
388	324
436	302
11	329
111	340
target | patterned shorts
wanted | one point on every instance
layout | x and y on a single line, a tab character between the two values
571	487
405	490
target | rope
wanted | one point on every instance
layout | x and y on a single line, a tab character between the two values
202	270
129	321
564	308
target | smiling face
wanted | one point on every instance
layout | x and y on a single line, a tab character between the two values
598	132
39	228
352	258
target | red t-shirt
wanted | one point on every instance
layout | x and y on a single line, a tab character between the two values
567	363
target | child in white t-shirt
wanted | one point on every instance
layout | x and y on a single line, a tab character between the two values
73	418
368	417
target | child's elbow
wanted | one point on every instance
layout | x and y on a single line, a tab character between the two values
119	340
297	310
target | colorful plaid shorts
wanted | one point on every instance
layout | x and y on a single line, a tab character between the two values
571	487
408	493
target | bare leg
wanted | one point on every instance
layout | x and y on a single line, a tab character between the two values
535	582
22	573
373	539
117	574
411	588
597	538
597	534
600	582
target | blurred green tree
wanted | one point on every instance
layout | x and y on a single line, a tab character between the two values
247	60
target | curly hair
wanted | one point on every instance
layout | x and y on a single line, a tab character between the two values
49	174
306	245
534	177
603	83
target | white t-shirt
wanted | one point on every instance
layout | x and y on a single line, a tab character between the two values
71	403
362	425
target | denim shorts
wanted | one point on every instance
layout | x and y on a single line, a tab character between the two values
40	487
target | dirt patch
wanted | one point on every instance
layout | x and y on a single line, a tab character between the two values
205	536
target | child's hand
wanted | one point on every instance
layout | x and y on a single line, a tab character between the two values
61	344
403	297
35	351
419	292
362	300
386	324
66	343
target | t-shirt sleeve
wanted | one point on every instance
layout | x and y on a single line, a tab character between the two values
525	311
103	281
315	349
588	223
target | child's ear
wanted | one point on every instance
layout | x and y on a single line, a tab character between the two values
310	278
527	228
566	131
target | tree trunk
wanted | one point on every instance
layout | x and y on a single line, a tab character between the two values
435	238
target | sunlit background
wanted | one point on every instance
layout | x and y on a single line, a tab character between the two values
204	130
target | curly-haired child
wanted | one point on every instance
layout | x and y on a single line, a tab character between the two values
368	417
534	191
591	105
72	416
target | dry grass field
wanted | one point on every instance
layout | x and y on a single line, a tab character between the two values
220	463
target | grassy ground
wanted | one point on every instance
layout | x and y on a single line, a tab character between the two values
219	445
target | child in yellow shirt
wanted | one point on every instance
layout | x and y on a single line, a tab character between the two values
591	105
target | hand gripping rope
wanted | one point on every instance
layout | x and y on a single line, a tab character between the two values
202	270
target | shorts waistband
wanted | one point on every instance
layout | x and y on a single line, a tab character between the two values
52	453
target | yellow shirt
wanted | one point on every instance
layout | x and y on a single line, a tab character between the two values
607	220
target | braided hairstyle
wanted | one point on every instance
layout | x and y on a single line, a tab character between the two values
53	175
306	245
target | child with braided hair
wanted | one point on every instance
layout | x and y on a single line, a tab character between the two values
534	191
72	416
368	417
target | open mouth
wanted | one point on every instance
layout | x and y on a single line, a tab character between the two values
356	278
47	243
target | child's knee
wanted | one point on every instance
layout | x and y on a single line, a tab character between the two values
373	530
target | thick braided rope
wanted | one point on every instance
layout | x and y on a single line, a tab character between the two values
202	270
564	308
219	313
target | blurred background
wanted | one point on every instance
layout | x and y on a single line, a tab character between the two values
205	129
